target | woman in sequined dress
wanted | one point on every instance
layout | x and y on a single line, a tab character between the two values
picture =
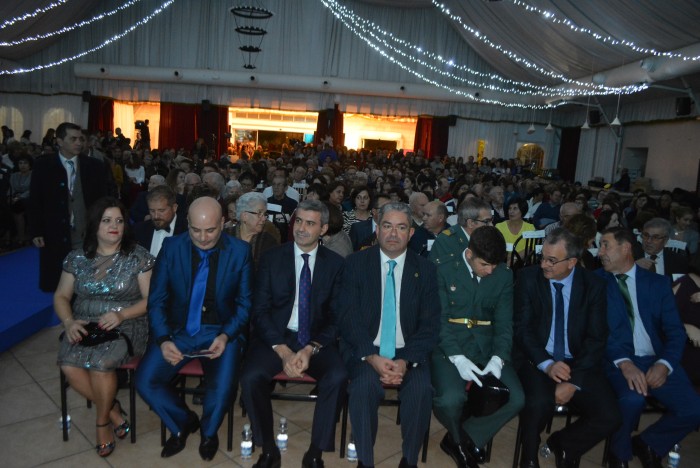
109	278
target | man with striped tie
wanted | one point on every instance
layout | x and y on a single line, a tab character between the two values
390	325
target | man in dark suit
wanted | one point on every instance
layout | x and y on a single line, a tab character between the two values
62	189
363	233
644	351
561	330
295	330
164	220
391	321
653	256
476	335
198	305
434	222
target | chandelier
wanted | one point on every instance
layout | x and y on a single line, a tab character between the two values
249	21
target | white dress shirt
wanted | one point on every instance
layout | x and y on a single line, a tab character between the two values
159	236
298	265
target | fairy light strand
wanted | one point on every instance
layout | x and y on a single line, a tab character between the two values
515	57
66	29
549	16
330	5
34	14
107	42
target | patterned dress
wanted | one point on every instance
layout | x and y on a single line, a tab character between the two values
102	284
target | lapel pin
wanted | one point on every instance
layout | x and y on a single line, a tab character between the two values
416	275
453	288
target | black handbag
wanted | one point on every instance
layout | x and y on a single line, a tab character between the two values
96	335
487	399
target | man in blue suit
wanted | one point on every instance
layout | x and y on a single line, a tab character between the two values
644	349
295	330
390	325
198	304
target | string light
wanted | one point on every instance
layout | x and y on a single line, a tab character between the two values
34	14
369	32
66	29
107	42
331	4
518	59
549	16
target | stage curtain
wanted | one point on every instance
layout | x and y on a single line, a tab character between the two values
100	114
330	123
178	126
212	124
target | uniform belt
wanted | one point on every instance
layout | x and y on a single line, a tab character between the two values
470	323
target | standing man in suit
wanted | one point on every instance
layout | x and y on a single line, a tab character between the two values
391	321
295	316
200	298
561	329
62	188
471	214
164	221
476	335
653	256
644	351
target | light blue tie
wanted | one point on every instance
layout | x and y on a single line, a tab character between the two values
387	341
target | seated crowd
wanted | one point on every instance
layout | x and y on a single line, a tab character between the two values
368	271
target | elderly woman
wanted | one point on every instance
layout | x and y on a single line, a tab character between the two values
514	226
109	279
251	209
361	199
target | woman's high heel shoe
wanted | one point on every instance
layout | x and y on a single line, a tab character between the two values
123	429
106	449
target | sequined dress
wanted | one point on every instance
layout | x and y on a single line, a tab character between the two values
102	284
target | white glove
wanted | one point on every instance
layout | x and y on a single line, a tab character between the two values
494	366
467	369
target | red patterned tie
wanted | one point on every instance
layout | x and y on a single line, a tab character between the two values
304	302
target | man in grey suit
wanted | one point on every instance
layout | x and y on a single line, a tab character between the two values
390	325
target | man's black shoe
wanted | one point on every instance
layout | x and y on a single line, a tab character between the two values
177	442
310	461
269	460
529	464
404	464
208	447
646	455
454	450
477	453
614	462
562	459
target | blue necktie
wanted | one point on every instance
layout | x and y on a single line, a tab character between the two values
387	340
558	354
199	288
304	311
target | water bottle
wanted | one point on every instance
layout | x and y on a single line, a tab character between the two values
674	457
545	451
282	437
352	451
247	443
60	422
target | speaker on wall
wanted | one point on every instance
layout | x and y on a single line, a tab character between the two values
452	120
594	117
86	96
683	105
206	105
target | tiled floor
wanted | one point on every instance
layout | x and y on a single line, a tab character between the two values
30	434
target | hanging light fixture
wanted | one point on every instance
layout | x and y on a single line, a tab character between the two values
248	18
549	127
531	128
585	125
616	121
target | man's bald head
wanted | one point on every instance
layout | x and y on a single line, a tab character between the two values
206	222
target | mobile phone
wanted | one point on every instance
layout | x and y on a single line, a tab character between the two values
200	353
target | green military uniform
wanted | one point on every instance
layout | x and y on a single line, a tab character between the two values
489	301
449	244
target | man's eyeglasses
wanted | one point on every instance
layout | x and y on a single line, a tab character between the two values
259	214
549	261
483	221
655	237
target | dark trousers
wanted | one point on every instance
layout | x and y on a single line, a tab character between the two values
595	402
677	395
366	392
262	363
154	375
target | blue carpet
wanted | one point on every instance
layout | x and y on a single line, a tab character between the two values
24	308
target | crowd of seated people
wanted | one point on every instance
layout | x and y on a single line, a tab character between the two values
373	202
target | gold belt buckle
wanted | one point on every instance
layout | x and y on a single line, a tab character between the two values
471	323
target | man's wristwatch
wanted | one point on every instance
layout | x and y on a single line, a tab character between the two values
315	348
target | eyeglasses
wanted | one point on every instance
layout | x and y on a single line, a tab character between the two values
483	221
655	237
549	261
259	214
